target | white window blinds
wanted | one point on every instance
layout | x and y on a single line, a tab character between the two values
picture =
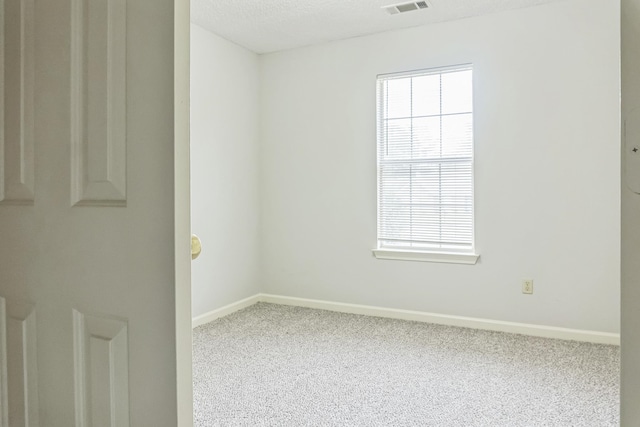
425	160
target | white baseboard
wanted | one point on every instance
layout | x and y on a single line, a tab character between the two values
224	311
443	319
419	316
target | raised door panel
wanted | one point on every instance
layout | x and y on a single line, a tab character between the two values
17	174
98	103
19	402
101	360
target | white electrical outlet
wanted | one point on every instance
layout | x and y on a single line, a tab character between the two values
527	286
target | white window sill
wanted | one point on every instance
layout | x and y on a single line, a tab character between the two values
445	257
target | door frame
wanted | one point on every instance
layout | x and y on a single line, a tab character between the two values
182	211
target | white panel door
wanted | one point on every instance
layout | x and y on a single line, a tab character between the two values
87	273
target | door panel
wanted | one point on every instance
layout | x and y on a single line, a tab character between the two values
19	367
17	176
98	102
101	365
87	217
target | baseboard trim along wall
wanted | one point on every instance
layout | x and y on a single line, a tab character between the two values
225	311
418	316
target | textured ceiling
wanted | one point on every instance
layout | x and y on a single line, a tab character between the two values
271	25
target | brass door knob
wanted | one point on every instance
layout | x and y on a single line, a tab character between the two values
196	246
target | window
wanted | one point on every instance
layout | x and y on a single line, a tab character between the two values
425	165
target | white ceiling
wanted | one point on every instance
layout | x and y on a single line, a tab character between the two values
270	25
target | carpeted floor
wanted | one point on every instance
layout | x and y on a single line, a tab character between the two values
273	365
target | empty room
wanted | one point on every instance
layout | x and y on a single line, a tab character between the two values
409	214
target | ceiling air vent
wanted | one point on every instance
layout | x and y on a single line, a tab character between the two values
406	7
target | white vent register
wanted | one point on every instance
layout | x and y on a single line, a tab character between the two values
405	7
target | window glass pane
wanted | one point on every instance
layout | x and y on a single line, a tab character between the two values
457	95
426	137
398	93
395	223
425	224
456	186
398	139
425	184
395	184
457	135
426	95
456	224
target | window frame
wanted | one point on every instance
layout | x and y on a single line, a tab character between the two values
462	256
